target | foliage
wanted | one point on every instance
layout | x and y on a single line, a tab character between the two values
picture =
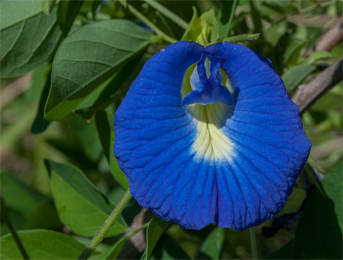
73	62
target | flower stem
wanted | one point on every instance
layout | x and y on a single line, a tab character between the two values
96	240
145	20
232	14
253	244
15	236
167	13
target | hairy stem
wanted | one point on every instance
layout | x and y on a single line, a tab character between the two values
96	240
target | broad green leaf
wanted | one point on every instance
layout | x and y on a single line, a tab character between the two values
77	71
105	126
114	251
40	124
23	47
333	187
80	205
41	244
293	202
285	252
154	232
318	234
295	75
27	207
104	94
211	248
225	16
47	6
168	248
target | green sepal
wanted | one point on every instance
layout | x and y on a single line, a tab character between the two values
203	29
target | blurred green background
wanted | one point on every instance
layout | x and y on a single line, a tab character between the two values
288	29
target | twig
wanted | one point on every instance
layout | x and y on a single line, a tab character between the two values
12	230
309	93
329	39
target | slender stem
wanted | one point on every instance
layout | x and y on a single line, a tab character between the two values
254	255
15	236
145	20
233	9
96	240
134	232
167	13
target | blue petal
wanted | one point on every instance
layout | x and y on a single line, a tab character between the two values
228	163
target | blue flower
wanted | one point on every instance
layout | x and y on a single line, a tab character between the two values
210	136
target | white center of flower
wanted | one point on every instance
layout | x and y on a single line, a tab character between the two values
211	143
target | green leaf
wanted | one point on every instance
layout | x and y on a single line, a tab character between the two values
23	47
80	205
40	124
224	19
41	244
78	71
211	248
168	248
276	6
293	202
114	251
211	21
292	53
39	78
105	126
67	12
312	176
318	234
154	232
332	185
295	75
47	6
87	135
33	209
104	94
203	29
317	56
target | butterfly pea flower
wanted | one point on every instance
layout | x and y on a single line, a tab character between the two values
210	136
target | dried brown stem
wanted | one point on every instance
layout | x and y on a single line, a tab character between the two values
308	94
330	38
